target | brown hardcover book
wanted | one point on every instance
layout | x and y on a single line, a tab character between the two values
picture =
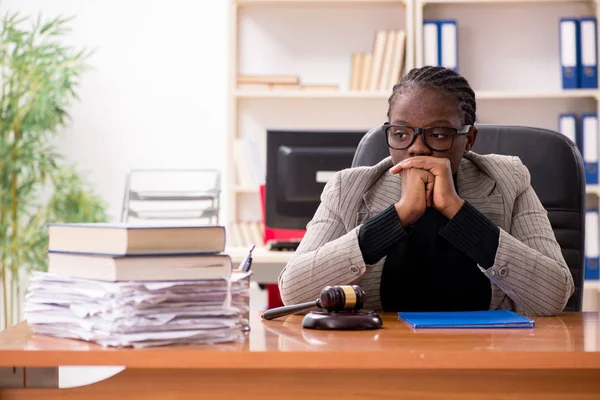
323	87
268	79
125	239
267	86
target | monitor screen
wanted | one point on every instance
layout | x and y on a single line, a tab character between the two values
299	164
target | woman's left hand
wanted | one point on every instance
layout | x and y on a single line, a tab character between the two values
445	198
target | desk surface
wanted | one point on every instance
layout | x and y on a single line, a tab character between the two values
569	341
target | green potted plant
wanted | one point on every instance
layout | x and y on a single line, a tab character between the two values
39	76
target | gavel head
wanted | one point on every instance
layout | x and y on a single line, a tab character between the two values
342	298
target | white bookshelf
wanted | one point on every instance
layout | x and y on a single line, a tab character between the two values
312	39
508	50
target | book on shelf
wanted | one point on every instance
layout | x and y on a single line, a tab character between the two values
140	267
267	86
278	87
318	87
382	68
130	238
268	79
387	59
248	162
379	47
245	234
366	72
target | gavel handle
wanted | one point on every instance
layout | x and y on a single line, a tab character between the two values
286	310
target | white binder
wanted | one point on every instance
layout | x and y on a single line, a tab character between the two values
449	44
567	125
589	133
430	43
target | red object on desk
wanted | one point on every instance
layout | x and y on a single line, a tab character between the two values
273	296
270	234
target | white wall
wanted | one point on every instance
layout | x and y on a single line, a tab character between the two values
156	96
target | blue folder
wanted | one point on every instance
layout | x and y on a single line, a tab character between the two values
570	52
466	319
589	145
592	258
588	45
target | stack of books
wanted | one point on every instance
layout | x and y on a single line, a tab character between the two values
138	285
280	82
382	68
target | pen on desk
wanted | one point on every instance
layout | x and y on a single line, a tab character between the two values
247	262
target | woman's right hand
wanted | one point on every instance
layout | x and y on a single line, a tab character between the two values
417	195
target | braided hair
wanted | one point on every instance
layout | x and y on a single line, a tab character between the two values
443	80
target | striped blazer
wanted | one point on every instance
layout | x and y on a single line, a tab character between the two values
529	275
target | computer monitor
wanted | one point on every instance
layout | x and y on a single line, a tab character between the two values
299	164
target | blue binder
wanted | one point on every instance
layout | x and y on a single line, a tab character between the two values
448	44
589	146
431	42
570	52
592	244
466	319
567	125
588	63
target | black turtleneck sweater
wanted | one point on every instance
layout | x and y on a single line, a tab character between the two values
432	265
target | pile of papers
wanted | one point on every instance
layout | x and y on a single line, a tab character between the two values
138	313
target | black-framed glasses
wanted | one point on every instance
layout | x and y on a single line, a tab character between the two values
401	137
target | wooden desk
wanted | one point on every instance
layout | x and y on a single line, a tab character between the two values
266	264
558	359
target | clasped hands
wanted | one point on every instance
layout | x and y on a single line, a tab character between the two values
426	182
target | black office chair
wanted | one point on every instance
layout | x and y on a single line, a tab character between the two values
557	176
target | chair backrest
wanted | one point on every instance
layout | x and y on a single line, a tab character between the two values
557	176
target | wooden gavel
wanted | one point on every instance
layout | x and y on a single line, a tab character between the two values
332	298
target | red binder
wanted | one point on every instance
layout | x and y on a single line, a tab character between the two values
271	234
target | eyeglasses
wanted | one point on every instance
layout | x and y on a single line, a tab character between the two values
401	137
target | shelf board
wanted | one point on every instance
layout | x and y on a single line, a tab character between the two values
481	95
560	94
322	2
310	94
423	2
591	284
594	189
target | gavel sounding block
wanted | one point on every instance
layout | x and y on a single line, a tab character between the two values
342	320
